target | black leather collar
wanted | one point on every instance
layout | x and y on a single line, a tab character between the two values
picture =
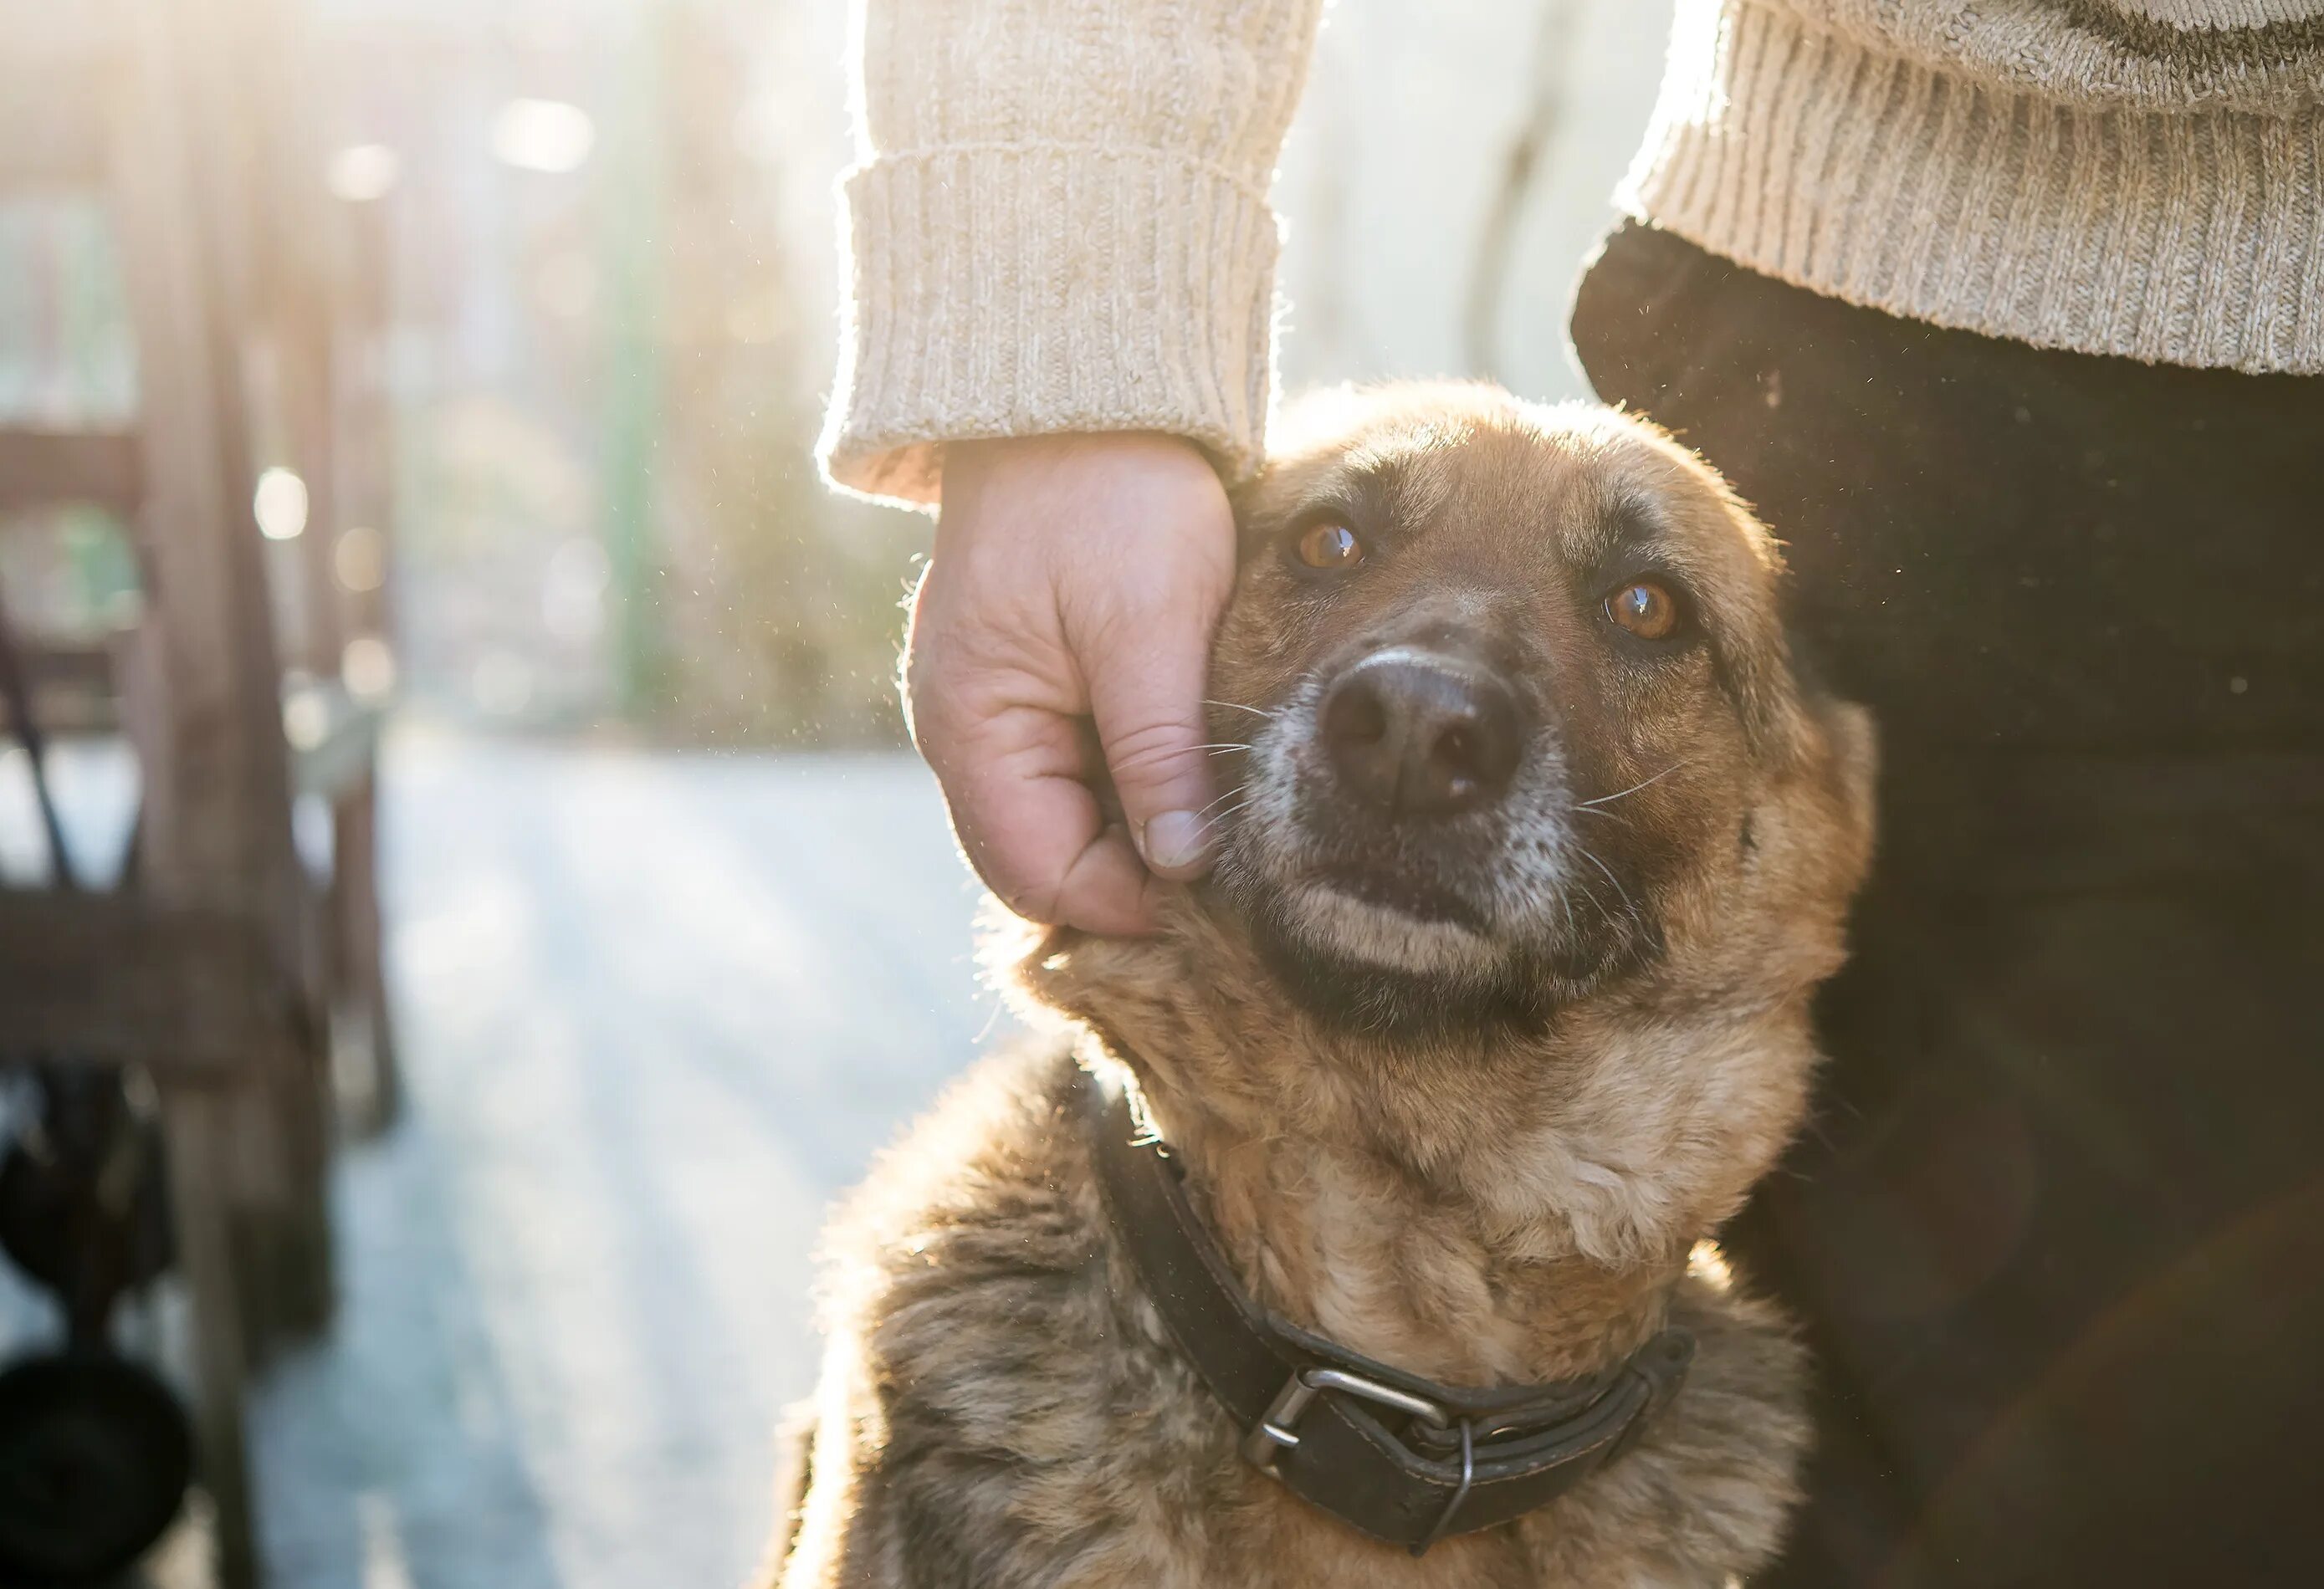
1390	1453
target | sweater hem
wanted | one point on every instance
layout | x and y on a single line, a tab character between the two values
997	316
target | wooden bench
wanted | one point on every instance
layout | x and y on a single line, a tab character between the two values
219	967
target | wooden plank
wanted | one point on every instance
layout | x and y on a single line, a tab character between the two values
73	683
118	980
73	710
332	735
50	468
67	663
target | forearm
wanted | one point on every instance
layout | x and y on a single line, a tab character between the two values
1059	222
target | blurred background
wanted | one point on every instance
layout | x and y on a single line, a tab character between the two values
496	910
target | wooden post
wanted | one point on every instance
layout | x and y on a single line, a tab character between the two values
204	700
354	838
220	52
362	273
201	1128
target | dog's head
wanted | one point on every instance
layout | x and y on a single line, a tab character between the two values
1520	718
1535	844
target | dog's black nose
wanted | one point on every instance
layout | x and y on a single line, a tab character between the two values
1421	738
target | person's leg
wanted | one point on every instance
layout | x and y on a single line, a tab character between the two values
2057	1226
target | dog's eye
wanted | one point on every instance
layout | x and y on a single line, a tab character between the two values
1330	545
1645	608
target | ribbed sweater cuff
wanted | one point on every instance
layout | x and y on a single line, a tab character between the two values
2187	237
1029	290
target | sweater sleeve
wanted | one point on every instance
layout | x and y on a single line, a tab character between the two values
1058	221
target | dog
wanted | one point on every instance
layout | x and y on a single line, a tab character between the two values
1494	1007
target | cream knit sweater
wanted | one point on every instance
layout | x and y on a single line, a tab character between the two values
1059	220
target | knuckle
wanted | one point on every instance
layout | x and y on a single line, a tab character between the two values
1127	614
1033	901
1151	752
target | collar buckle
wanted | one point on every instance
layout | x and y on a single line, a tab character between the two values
1277	1431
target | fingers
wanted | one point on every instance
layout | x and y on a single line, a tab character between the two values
1030	825
1147	696
1074	578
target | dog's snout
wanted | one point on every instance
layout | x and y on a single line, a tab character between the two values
1418	737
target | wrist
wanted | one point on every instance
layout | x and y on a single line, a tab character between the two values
981	454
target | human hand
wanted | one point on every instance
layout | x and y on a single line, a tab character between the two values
1074	577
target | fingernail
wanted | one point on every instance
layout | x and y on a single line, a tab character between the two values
1173	840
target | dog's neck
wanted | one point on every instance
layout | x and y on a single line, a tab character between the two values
1488	1208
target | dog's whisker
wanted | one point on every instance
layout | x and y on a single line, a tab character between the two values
1222	800
1633	789
1586	894
1223	748
1627	902
1239	706
1209	823
1591	856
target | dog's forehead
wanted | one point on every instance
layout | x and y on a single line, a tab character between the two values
1582	485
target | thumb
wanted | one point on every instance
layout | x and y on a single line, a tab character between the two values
1148	701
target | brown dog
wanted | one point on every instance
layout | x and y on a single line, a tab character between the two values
1495	1008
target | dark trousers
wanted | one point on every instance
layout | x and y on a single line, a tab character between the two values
2056	1227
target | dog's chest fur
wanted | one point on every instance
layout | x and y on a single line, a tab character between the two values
1003	1407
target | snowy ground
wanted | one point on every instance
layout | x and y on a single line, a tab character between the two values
655	1010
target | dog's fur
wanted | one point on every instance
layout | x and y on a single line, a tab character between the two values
1484	1136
